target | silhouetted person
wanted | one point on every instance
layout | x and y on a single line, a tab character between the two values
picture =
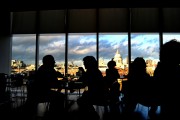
138	87
41	87
155	92
169	75
111	78
94	80
112	73
80	72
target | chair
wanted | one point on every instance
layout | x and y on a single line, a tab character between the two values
38	104
17	89
114	92
111	101
2	83
75	85
150	102
46	103
36	107
33	98
5	101
102	109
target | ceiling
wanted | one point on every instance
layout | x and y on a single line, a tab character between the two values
27	5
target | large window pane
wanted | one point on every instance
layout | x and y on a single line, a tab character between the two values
169	36
23	53
79	46
146	46
53	44
113	46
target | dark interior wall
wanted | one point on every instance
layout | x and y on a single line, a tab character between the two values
5	23
24	5
5	42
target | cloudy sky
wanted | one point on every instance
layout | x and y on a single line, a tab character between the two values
80	45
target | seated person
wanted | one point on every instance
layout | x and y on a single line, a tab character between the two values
111	80
80	72
93	79
112	73
138	88
45	78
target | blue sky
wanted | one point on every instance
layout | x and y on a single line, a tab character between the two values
80	45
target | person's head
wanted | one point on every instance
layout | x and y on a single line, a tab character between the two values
168	52
48	60
139	64
90	62
111	64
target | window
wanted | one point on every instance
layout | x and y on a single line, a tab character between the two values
79	46
23	53
113	46
170	36
53	44
146	46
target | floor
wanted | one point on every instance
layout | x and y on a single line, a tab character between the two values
16	111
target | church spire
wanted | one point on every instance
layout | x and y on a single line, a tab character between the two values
117	52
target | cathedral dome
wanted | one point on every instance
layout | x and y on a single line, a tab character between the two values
117	55
118	60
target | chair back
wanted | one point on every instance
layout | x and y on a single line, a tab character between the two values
2	83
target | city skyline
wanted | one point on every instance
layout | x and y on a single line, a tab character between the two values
80	45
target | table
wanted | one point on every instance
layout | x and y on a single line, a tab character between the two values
76	85
68	87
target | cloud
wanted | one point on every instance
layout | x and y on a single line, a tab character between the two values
80	45
145	45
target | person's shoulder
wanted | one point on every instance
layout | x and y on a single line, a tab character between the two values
60	75
41	68
99	72
107	69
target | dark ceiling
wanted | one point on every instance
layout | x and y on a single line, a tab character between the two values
26	5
